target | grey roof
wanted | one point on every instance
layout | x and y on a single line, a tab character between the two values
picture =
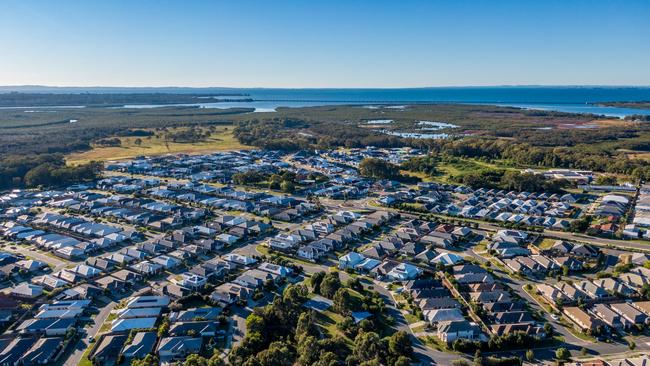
143	343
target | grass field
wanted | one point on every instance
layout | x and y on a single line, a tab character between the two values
462	166
221	139
546	243
632	154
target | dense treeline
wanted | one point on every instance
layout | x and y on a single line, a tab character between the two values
34	133
524	154
286	181
561	148
566	137
43	170
378	169
274	134
487	178
287	333
294	134
511	180
105	100
508	134
190	135
109	142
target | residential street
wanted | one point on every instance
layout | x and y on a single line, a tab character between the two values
424	354
57	263
91	332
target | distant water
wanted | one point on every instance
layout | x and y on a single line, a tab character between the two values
581	108
562	99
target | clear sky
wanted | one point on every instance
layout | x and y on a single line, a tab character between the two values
326	43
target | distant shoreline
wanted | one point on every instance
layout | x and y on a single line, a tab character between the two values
636	104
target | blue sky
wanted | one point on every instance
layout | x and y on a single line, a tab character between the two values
332	43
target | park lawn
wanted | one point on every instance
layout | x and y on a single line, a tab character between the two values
546	243
540	300
423	176
221	139
494	263
435	343
327	321
357	298
84	361
106	326
464	166
578	334
419	329
410	318
481	247
264	250
638	155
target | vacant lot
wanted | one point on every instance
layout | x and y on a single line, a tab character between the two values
221	139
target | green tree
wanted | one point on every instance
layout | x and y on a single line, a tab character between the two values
40	175
367	346
148	360
355	284
402	361
315	281
327	359
306	326
378	169
399	344
330	284
255	323
287	186
342	301
307	350
562	354
530	355
606	180
215	360
163	328
278	354
195	360
565	270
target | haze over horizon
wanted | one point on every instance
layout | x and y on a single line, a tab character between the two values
43	86
334	44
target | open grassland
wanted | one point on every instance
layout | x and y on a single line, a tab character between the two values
546	243
460	166
448	170
220	139
67	130
632	154
614	122
49	130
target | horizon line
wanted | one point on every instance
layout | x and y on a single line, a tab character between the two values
332	88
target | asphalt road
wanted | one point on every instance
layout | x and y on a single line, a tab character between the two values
84	342
55	262
424	354
573	343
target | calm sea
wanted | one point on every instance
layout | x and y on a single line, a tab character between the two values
563	99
